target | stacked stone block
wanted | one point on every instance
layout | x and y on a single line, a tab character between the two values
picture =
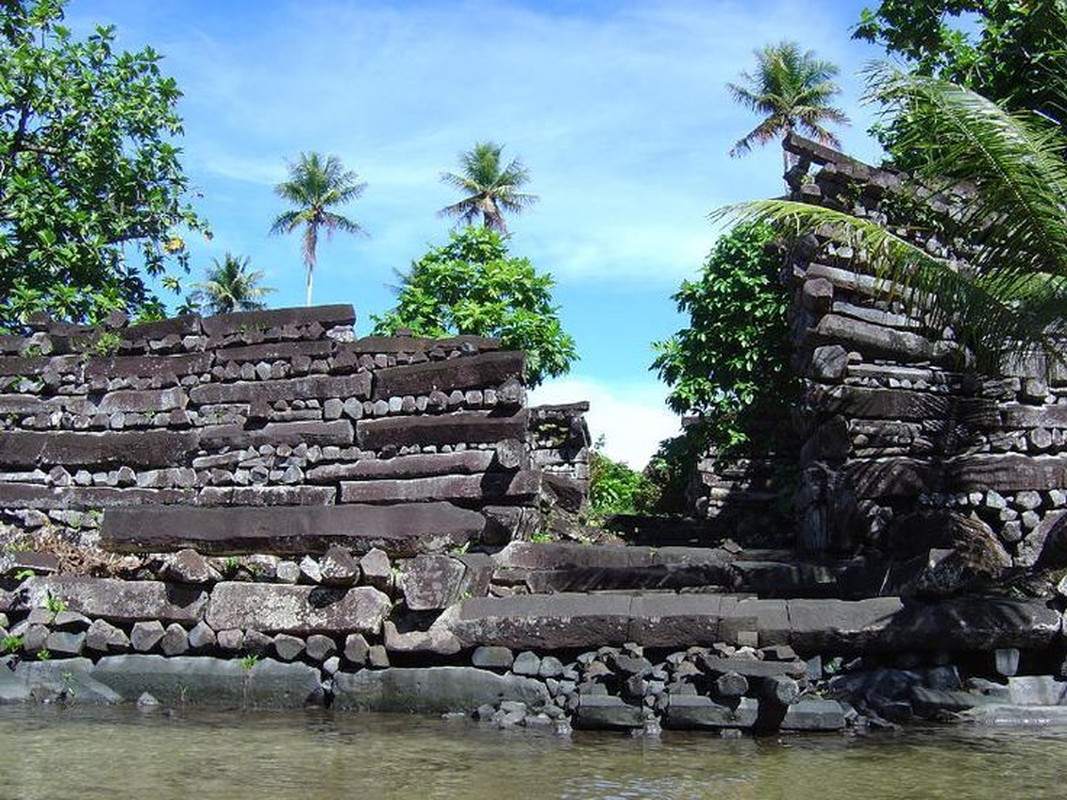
281	409
899	428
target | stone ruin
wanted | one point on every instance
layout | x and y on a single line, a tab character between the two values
295	517
275	425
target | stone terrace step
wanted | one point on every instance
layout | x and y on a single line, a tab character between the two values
552	568
883	624
401	530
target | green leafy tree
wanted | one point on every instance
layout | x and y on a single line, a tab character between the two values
230	286
730	364
1006	50
614	488
92	192
317	184
489	188
1012	290
792	89
473	286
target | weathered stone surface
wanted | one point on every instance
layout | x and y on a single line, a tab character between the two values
106	638
490	486
188	566
24	495
814	714
607	712
1008	473
432	690
146	634
752	668
695	711
318	387
471	372
338	567
466	462
356	648
61	643
158	367
175	640
470	427
129	400
242	322
202	637
67	680
211	681
259	496
1037	690
118	600
880	341
301	610
540	622
71	448
435	640
405	530
337	432
500	658
287	647
431	582
276	351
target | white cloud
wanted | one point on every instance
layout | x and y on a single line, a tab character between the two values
631	417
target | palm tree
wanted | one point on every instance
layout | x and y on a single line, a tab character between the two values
1012	290
793	89
490	190
316	184
231	287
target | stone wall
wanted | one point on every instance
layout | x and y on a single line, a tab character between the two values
907	448
279	411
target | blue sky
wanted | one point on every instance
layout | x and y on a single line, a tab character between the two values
618	109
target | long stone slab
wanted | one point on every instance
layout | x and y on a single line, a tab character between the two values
178	365
1007	473
210	681
35	495
301	610
884	624
484	370
140	449
319	387
118	600
337	432
466	427
242	321
432	690
422	465
401	531
487	486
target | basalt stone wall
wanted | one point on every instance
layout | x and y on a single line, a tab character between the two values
279	414
909	450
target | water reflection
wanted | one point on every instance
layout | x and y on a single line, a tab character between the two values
121	752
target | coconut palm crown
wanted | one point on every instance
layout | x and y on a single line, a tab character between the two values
489	188
230	287
792	89
1009	291
317	184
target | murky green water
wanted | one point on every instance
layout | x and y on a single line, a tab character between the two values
195	755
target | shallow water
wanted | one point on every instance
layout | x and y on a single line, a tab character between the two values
48	752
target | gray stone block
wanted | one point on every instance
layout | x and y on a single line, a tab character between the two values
607	712
814	714
432	690
301	610
211	681
686	711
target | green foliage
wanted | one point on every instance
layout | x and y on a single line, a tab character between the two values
731	363
669	472
54	605
230	286
44	655
1011	293
92	193
317	184
792	90
249	661
11	643
614	488
489	188
473	286
1006	50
